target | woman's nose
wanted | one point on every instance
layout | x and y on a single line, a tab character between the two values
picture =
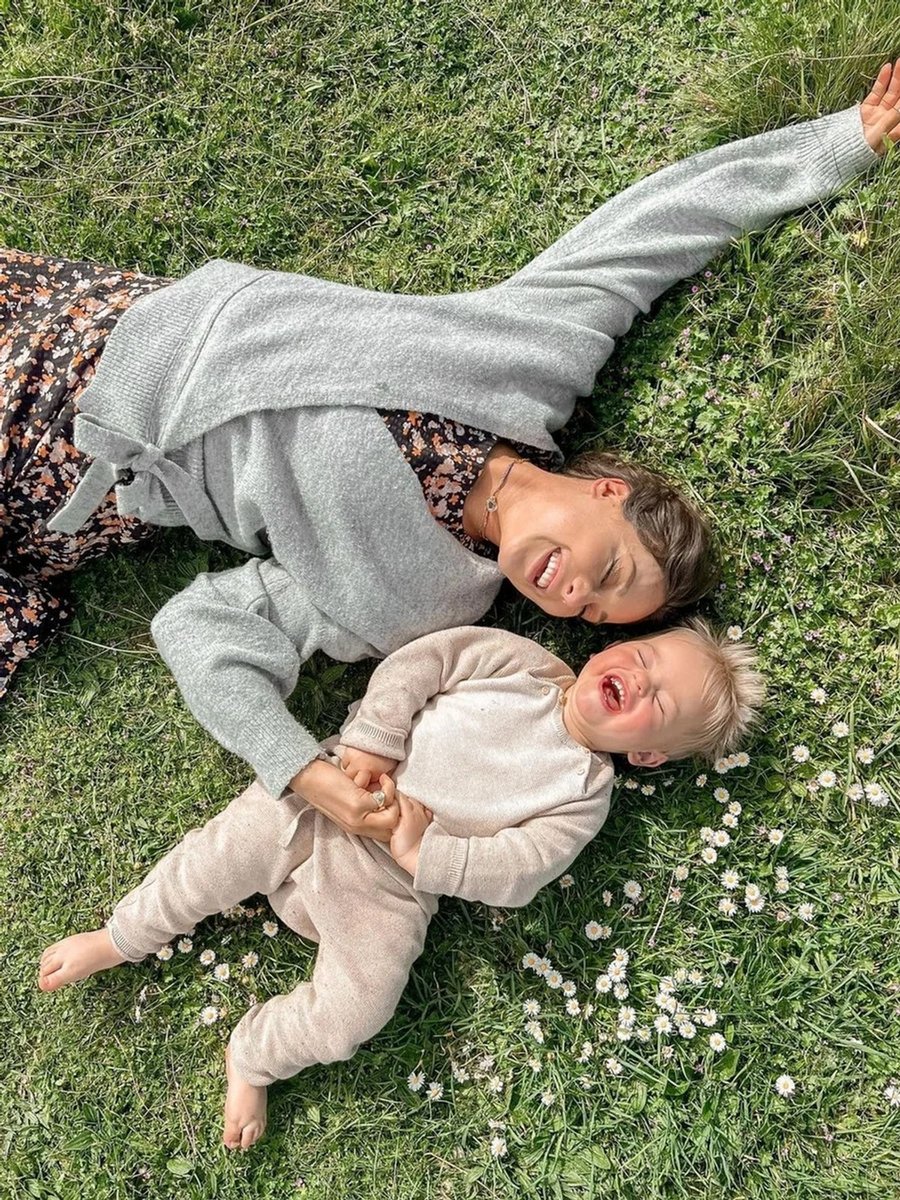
577	592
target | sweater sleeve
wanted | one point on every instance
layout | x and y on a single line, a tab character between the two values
406	680
235	642
509	869
618	260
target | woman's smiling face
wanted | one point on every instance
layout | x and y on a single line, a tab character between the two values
642	698
570	549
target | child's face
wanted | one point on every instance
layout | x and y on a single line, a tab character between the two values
640	698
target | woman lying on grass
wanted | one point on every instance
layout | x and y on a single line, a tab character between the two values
387	459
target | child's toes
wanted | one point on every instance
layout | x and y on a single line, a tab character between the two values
231	1134
251	1134
51	963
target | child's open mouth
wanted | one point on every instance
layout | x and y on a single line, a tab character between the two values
612	689
546	569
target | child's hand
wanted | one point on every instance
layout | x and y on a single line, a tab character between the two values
407	836
357	811
363	768
880	117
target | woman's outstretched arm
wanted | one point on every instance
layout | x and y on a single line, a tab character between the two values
596	278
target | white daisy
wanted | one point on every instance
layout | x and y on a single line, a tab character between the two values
566	881
776	836
415	1081
721	765
495	1085
805	912
164	953
209	1015
553	979
730	820
734	633
603	984
498	1147
840	729
682	872
855	791
568	988
222	972
826	779
706	834
627	1016
876	795
687	1029
785	1086
865	755
700	781
730	879
707	1017
185	945
587	1052
529	961
533	1029
614	1066
818	695
667	1053
892	1095
647	789
573	1008
631	783
270	928
708	855
782	886
633	890
435	1091
800	754
593	931
207	957
735	808
531	1008
607	898
662	1024
727	906
250	959
622	957
620	991
616	971
717	1042
742	759
547	1099
721	838
721	794
460	1074
695	976
757	904
542	967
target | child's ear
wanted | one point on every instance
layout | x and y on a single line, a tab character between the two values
647	758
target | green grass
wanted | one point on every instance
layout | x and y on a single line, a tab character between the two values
427	147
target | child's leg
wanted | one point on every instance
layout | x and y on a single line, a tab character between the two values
245	849
371	929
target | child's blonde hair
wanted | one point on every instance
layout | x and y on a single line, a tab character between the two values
733	691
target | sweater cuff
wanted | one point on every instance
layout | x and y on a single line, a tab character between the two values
838	143
363	735
442	861
278	751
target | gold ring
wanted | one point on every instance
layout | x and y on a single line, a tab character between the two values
379	798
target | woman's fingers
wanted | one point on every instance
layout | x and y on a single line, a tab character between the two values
361	779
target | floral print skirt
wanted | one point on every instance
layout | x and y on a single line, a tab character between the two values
55	317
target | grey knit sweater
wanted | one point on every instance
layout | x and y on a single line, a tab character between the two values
474	717
243	403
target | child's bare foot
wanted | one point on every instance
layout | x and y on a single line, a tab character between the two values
245	1110
77	957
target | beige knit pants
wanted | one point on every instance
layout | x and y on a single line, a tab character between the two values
344	892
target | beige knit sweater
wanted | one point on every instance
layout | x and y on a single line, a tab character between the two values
474	717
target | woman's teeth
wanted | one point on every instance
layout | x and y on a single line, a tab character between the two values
549	571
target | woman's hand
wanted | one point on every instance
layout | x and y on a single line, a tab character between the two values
327	788
407	836
363	768
880	116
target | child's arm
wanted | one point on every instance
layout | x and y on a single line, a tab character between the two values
510	868
406	680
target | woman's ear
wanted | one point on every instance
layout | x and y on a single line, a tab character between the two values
647	758
609	486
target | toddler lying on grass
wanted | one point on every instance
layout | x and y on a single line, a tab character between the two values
511	752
